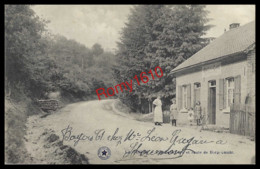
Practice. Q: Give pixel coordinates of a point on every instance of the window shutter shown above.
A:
(225, 93)
(221, 94)
(189, 95)
(179, 97)
(237, 90)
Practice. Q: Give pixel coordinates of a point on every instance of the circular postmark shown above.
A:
(104, 153)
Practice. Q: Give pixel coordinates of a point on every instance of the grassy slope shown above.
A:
(16, 114)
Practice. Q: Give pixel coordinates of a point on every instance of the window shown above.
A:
(212, 83)
(184, 97)
(196, 85)
(230, 91)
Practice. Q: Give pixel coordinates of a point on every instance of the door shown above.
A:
(197, 96)
(212, 103)
(196, 93)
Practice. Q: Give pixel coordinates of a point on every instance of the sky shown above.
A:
(90, 24)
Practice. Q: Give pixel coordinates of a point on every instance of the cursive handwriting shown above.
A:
(140, 140)
(135, 150)
(68, 136)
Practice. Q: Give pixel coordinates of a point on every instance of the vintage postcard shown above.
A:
(130, 84)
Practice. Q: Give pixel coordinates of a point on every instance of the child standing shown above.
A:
(191, 116)
(174, 112)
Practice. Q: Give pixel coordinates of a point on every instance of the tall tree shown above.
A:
(131, 54)
(23, 30)
(158, 35)
(178, 32)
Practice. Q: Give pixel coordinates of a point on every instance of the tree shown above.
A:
(97, 49)
(158, 35)
(73, 70)
(131, 54)
(178, 35)
(23, 30)
(42, 62)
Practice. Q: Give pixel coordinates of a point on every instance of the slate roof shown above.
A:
(232, 41)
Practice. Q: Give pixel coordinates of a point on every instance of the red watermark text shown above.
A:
(111, 91)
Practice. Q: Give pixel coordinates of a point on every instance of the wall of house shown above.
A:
(228, 70)
(251, 77)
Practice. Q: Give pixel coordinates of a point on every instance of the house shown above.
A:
(220, 74)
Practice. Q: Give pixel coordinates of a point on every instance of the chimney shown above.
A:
(234, 25)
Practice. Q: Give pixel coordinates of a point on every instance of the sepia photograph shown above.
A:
(129, 84)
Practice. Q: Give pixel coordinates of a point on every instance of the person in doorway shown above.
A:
(174, 112)
(197, 113)
(190, 116)
(158, 115)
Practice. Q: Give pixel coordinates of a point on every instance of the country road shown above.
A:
(97, 124)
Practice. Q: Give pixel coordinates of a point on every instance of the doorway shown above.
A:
(196, 93)
(212, 102)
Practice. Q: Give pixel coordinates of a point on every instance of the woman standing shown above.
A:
(191, 116)
(158, 115)
(198, 114)
(174, 112)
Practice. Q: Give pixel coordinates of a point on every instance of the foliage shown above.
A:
(23, 43)
(97, 49)
(37, 62)
(158, 35)
(43, 62)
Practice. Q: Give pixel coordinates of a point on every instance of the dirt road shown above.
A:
(88, 126)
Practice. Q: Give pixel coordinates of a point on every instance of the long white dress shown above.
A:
(158, 115)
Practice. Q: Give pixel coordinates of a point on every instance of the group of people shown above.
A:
(192, 114)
